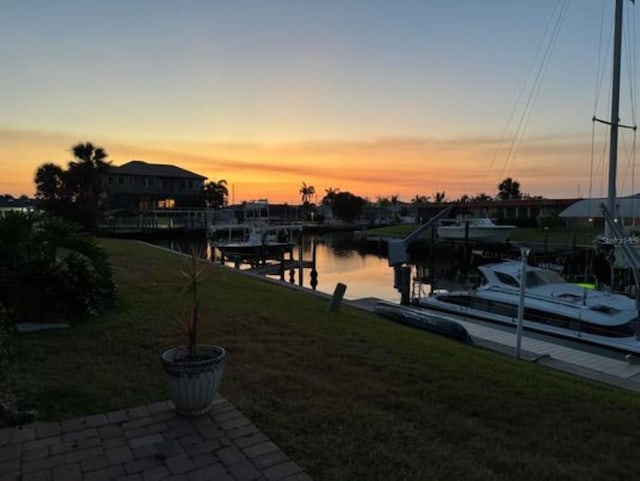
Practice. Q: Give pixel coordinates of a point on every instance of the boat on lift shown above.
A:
(480, 229)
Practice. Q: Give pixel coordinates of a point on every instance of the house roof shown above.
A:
(626, 207)
(139, 167)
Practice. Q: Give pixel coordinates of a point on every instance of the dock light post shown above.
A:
(524, 253)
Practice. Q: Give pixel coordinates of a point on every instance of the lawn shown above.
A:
(555, 235)
(347, 395)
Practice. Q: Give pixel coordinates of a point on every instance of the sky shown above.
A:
(377, 98)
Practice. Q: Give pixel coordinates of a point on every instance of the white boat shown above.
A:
(551, 305)
(257, 240)
(481, 229)
(257, 237)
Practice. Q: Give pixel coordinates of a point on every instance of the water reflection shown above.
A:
(338, 259)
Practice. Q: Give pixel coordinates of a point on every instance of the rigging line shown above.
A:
(603, 69)
(535, 88)
(629, 41)
(600, 61)
(520, 94)
(590, 196)
(598, 81)
(628, 48)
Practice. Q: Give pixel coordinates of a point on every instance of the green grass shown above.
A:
(347, 395)
(399, 230)
(556, 235)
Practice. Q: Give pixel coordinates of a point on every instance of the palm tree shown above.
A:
(482, 196)
(84, 175)
(216, 194)
(306, 193)
(330, 195)
(420, 199)
(439, 196)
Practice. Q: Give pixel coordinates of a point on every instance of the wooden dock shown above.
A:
(273, 269)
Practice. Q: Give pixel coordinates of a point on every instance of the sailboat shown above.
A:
(552, 305)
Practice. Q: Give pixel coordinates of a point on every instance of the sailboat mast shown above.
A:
(615, 115)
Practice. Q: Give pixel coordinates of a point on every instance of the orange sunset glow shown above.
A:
(377, 100)
(384, 167)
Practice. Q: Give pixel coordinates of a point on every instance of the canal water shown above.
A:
(339, 258)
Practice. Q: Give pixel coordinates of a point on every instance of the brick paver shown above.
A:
(146, 443)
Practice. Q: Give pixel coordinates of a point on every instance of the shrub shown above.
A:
(49, 270)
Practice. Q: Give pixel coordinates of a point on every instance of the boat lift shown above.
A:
(630, 253)
(398, 257)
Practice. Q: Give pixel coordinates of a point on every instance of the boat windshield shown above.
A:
(543, 277)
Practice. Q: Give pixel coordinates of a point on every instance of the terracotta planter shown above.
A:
(193, 385)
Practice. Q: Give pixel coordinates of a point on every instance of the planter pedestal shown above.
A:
(193, 385)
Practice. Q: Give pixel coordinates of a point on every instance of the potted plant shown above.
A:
(193, 371)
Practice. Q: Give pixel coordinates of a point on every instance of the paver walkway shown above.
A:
(143, 444)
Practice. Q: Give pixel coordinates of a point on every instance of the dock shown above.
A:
(271, 269)
(595, 363)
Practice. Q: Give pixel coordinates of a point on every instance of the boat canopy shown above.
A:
(589, 208)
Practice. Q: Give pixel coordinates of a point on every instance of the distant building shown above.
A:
(17, 205)
(141, 186)
(522, 212)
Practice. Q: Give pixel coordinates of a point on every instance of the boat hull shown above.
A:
(494, 235)
(508, 316)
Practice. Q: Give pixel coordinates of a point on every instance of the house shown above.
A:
(141, 186)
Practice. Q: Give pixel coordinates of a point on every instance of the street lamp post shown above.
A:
(524, 253)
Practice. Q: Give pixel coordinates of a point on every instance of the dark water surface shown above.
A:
(339, 258)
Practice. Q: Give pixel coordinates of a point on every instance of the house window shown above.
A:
(190, 185)
(120, 180)
(166, 204)
(183, 185)
(110, 180)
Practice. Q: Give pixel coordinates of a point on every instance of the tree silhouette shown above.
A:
(439, 196)
(420, 199)
(76, 193)
(347, 206)
(216, 194)
(330, 194)
(482, 196)
(49, 181)
(509, 189)
(306, 193)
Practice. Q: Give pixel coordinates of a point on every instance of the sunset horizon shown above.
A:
(377, 99)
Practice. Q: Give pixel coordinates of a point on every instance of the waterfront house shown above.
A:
(141, 196)
(141, 186)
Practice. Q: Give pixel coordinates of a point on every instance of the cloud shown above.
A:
(367, 167)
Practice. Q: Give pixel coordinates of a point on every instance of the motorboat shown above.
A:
(551, 305)
(258, 241)
(480, 229)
